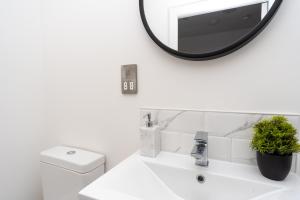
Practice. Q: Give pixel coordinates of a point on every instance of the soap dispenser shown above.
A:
(150, 138)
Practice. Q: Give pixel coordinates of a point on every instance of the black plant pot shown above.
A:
(274, 167)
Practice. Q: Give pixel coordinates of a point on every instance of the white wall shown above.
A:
(88, 40)
(22, 109)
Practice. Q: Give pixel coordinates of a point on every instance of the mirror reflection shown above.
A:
(203, 26)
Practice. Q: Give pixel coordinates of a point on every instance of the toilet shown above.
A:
(66, 170)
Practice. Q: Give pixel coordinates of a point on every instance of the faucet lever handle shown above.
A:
(201, 136)
(195, 152)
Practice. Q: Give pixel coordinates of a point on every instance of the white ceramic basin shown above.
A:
(174, 177)
(184, 183)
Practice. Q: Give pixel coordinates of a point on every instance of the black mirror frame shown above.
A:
(215, 54)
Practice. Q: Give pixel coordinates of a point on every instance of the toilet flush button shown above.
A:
(71, 153)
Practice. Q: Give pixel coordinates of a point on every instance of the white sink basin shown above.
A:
(184, 183)
(175, 177)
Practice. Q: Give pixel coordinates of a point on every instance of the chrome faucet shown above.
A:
(200, 150)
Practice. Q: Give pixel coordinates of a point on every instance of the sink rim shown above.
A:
(217, 167)
(220, 168)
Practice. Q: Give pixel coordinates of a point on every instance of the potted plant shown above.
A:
(275, 141)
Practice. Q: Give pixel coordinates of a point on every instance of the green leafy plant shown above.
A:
(275, 136)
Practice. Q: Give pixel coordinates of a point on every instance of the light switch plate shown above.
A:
(129, 79)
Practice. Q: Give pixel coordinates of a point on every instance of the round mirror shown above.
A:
(205, 29)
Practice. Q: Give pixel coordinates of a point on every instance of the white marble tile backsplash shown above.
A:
(170, 141)
(219, 148)
(178, 121)
(241, 152)
(229, 133)
(294, 164)
(177, 142)
(228, 124)
(298, 164)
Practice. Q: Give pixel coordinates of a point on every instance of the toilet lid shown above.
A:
(72, 159)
